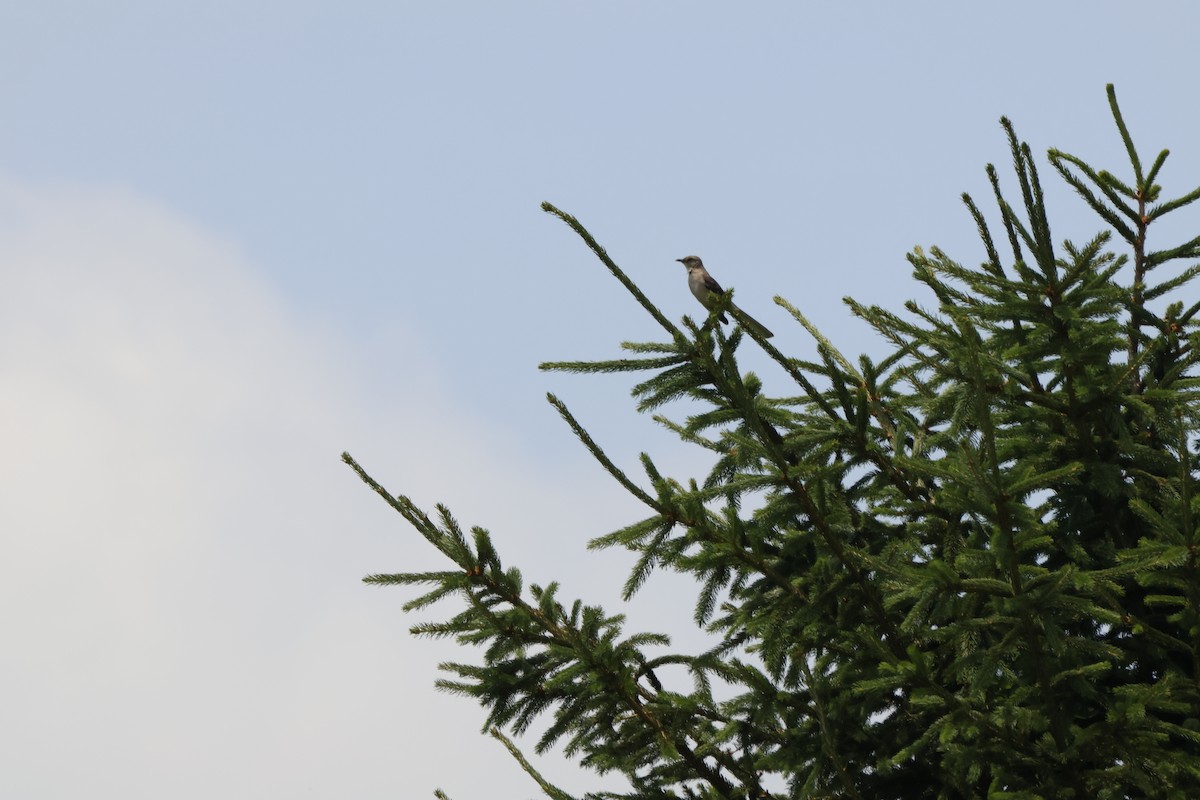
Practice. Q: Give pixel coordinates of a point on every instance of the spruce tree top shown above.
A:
(971, 568)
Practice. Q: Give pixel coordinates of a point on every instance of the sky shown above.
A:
(237, 239)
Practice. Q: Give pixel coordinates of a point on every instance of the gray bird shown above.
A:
(706, 289)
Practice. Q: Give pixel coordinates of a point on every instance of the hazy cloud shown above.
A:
(179, 586)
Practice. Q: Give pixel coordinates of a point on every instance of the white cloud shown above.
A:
(181, 548)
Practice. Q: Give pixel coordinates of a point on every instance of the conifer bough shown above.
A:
(971, 570)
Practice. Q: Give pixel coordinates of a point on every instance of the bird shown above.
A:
(706, 289)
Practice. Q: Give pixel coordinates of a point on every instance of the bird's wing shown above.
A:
(711, 284)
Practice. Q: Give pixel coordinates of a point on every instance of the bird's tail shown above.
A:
(751, 324)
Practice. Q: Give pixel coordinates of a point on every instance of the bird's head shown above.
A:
(691, 262)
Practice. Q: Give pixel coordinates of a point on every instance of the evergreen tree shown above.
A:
(970, 569)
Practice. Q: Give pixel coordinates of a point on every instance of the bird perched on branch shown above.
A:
(707, 290)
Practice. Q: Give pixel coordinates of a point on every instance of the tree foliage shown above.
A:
(968, 569)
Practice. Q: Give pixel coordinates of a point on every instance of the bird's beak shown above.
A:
(680, 260)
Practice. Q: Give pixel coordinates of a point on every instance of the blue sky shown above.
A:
(239, 238)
